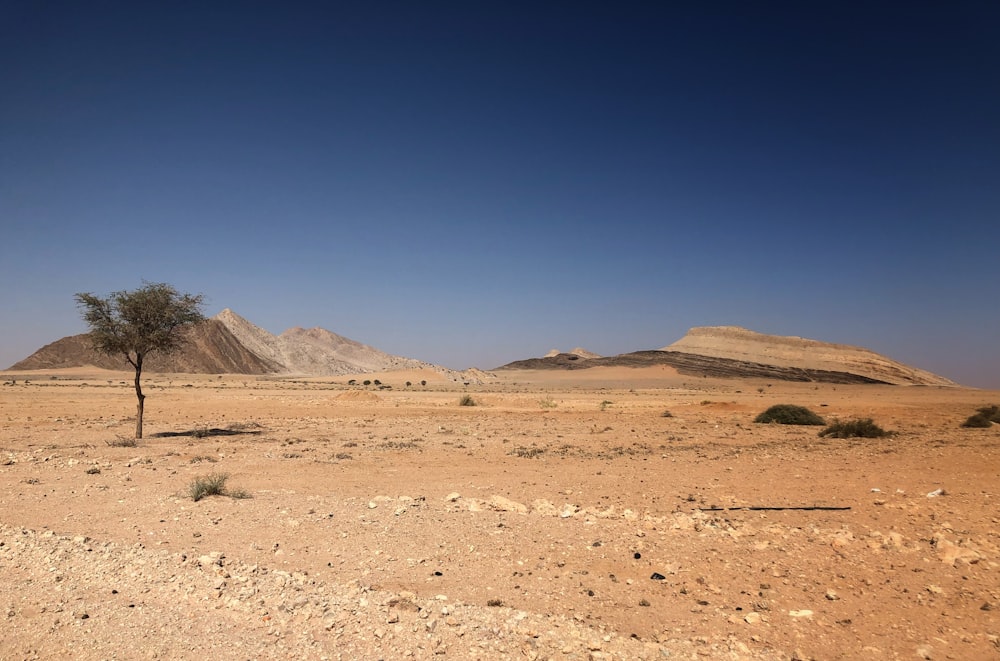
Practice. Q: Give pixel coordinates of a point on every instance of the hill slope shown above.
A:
(735, 343)
(212, 350)
(732, 352)
(229, 344)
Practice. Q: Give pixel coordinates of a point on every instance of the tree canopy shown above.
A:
(133, 324)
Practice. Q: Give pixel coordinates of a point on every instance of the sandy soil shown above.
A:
(564, 516)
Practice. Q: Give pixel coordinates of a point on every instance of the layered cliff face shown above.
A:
(731, 352)
(740, 344)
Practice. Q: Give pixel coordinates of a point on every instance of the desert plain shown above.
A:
(609, 513)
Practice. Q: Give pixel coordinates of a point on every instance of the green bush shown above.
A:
(789, 414)
(978, 421)
(863, 428)
(992, 412)
(983, 417)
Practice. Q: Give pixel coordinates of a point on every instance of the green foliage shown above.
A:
(133, 324)
(863, 428)
(983, 418)
(991, 412)
(467, 401)
(789, 414)
(213, 485)
(978, 421)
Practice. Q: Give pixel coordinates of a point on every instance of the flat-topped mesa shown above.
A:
(735, 343)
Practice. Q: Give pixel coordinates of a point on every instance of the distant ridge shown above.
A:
(229, 344)
(735, 343)
(579, 351)
(733, 352)
(212, 350)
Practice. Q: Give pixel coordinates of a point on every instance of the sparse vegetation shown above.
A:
(547, 403)
(666, 414)
(862, 428)
(134, 324)
(203, 457)
(467, 401)
(789, 414)
(213, 485)
(978, 421)
(122, 442)
(366, 382)
(605, 404)
(527, 453)
(423, 383)
(401, 445)
(983, 417)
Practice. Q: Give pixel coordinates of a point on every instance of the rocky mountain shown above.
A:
(733, 352)
(579, 351)
(316, 351)
(740, 344)
(212, 349)
(229, 344)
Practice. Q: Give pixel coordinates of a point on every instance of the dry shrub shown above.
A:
(789, 414)
(863, 428)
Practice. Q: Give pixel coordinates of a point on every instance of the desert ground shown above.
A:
(593, 514)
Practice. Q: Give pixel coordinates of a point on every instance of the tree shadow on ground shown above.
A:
(204, 432)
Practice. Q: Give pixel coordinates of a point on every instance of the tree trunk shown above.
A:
(139, 396)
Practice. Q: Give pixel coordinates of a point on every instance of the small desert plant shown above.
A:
(863, 428)
(547, 403)
(123, 442)
(983, 417)
(467, 401)
(366, 382)
(789, 414)
(666, 414)
(605, 404)
(213, 485)
(423, 383)
(527, 453)
(978, 421)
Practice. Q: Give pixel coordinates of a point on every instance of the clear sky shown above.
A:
(471, 183)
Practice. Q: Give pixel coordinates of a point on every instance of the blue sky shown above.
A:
(475, 183)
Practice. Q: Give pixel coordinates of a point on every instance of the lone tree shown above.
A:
(154, 318)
